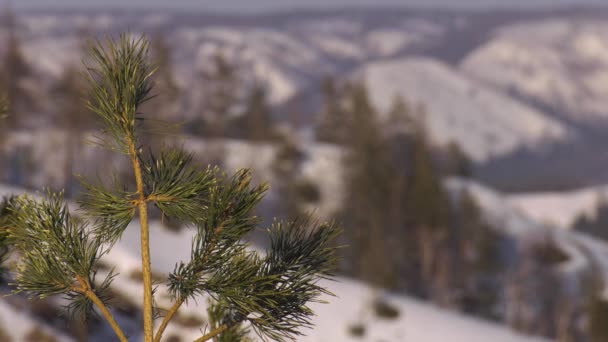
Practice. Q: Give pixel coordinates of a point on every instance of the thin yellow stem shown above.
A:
(167, 319)
(213, 333)
(145, 246)
(89, 293)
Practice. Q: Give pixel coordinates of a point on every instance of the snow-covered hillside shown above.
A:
(417, 321)
(485, 123)
(584, 253)
(287, 57)
(560, 209)
(559, 63)
(552, 65)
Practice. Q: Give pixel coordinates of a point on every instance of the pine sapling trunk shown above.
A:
(145, 246)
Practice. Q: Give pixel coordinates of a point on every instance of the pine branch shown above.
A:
(110, 211)
(120, 83)
(220, 315)
(57, 256)
(88, 293)
(213, 333)
(177, 188)
(272, 292)
(228, 220)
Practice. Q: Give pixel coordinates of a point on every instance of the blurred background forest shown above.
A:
(463, 151)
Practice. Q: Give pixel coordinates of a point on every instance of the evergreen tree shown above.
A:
(596, 225)
(478, 261)
(293, 191)
(330, 126)
(165, 103)
(220, 98)
(368, 172)
(429, 205)
(59, 252)
(256, 123)
(74, 117)
(13, 71)
(3, 128)
(598, 313)
(5, 203)
(164, 79)
(222, 95)
(457, 163)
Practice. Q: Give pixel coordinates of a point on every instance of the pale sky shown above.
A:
(249, 6)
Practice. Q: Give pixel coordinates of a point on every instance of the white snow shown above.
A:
(417, 321)
(387, 42)
(483, 122)
(560, 63)
(337, 46)
(17, 324)
(560, 209)
(585, 253)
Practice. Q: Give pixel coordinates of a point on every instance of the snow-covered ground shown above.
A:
(18, 325)
(584, 253)
(560, 208)
(417, 320)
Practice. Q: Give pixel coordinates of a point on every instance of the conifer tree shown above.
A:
(59, 252)
(457, 163)
(256, 122)
(221, 96)
(293, 190)
(330, 126)
(74, 117)
(13, 70)
(598, 313)
(368, 172)
(429, 205)
(5, 203)
(165, 104)
(222, 91)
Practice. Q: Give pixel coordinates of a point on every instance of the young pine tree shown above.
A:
(59, 252)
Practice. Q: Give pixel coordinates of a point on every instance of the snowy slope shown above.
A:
(18, 325)
(286, 56)
(334, 319)
(560, 209)
(584, 252)
(416, 322)
(483, 122)
(559, 63)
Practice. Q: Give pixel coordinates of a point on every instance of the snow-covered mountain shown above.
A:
(287, 54)
(559, 63)
(290, 55)
(485, 123)
(491, 82)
